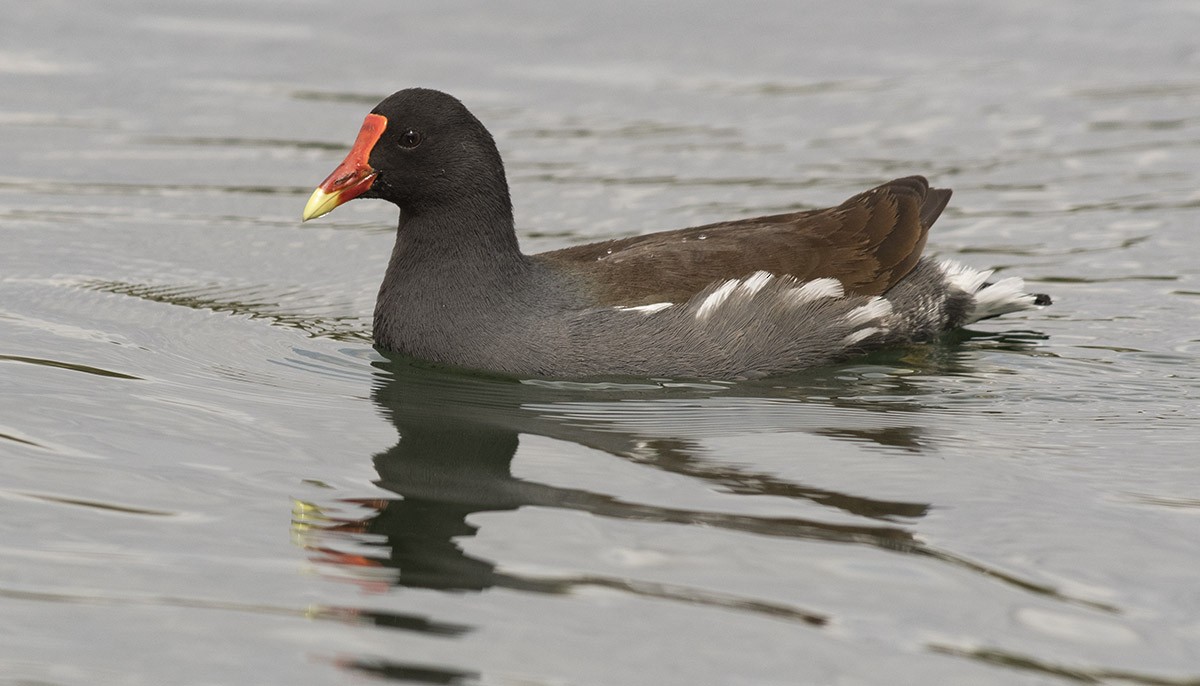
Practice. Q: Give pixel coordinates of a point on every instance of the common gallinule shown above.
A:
(744, 298)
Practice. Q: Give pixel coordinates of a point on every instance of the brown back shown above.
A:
(869, 242)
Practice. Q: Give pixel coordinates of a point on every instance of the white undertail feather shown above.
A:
(964, 278)
(990, 300)
(1002, 297)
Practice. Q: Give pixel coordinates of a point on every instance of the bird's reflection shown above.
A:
(458, 435)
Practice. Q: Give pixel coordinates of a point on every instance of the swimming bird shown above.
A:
(738, 299)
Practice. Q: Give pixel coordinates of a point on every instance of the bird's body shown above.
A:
(737, 299)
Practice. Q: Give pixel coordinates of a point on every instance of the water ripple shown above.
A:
(68, 365)
(253, 302)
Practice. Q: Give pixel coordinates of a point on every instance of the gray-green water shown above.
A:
(210, 477)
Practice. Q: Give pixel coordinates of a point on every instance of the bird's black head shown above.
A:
(422, 150)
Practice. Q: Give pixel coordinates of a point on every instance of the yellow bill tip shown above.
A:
(320, 204)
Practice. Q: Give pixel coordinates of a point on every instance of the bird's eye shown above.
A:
(410, 139)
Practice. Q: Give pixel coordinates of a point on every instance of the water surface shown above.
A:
(211, 477)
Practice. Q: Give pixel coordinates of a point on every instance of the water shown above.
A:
(211, 477)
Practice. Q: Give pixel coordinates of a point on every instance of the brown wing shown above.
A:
(869, 242)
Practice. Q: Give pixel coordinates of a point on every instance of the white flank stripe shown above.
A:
(714, 300)
(755, 282)
(645, 309)
(876, 308)
(817, 289)
(860, 335)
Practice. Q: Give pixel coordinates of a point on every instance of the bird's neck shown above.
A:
(456, 256)
(453, 276)
(474, 235)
